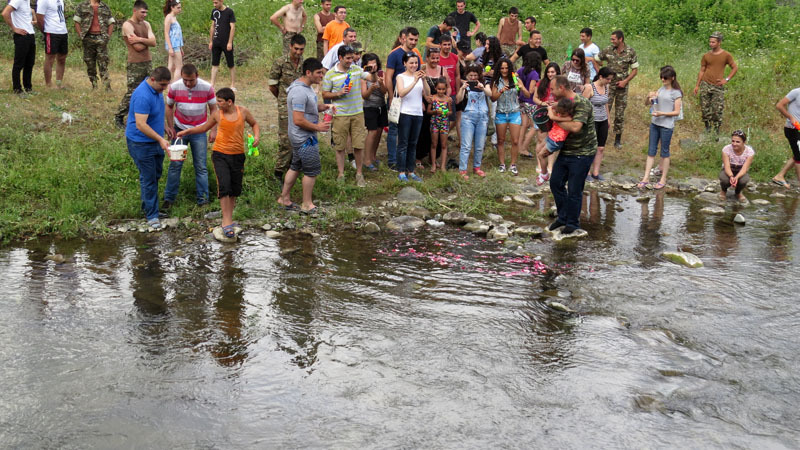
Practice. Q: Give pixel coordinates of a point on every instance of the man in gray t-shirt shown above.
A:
(303, 109)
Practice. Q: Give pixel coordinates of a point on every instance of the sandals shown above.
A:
(659, 186)
(642, 185)
(291, 207)
(309, 212)
(783, 184)
(229, 231)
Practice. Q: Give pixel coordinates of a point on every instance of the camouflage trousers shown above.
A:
(712, 102)
(284, 157)
(287, 41)
(618, 100)
(137, 72)
(509, 50)
(95, 55)
(320, 50)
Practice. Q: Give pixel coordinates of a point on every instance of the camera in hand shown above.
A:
(473, 86)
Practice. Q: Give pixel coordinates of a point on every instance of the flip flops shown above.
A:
(783, 184)
(659, 186)
(291, 207)
(309, 212)
(642, 185)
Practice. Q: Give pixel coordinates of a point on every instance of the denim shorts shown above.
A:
(514, 118)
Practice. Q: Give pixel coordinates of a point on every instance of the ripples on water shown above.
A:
(344, 342)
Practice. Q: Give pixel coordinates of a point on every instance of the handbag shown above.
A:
(394, 108)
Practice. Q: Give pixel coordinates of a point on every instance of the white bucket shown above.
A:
(177, 152)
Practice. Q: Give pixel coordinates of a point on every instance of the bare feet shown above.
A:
(723, 196)
(742, 198)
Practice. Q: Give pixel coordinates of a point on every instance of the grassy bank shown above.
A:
(59, 178)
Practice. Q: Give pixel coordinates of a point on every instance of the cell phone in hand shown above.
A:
(380, 73)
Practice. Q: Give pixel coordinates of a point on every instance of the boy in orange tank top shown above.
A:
(228, 155)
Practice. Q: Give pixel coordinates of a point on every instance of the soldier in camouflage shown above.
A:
(138, 37)
(285, 70)
(624, 63)
(711, 82)
(94, 24)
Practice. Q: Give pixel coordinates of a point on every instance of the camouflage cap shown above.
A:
(357, 47)
(717, 35)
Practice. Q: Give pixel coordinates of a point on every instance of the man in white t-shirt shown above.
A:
(590, 49)
(50, 18)
(332, 57)
(19, 18)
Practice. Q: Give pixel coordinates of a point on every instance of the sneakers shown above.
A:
(557, 224)
(568, 230)
(464, 175)
(501, 168)
(589, 179)
(360, 181)
(542, 179)
(477, 171)
(402, 177)
(415, 177)
(598, 178)
(154, 224)
(514, 170)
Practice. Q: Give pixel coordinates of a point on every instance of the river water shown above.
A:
(437, 339)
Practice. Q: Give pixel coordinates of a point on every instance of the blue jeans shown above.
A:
(149, 159)
(391, 146)
(407, 134)
(571, 171)
(199, 145)
(473, 132)
(664, 135)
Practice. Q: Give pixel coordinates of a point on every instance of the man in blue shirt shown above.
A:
(144, 134)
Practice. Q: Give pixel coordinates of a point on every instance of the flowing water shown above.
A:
(438, 339)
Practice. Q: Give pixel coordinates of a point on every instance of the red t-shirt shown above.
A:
(450, 64)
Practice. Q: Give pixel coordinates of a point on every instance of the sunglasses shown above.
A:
(739, 133)
(577, 60)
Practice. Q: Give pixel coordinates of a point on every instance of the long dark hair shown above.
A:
(544, 83)
(499, 64)
(669, 72)
(602, 73)
(532, 61)
(168, 6)
(368, 58)
(494, 53)
(584, 68)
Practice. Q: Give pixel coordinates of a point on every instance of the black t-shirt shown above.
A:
(525, 49)
(462, 23)
(222, 25)
(436, 34)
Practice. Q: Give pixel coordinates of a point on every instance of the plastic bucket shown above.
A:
(542, 119)
(177, 152)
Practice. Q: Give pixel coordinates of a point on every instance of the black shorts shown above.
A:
(376, 118)
(217, 50)
(55, 44)
(793, 136)
(601, 128)
(229, 170)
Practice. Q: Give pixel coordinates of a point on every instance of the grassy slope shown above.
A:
(56, 178)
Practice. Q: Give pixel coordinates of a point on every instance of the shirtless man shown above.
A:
(294, 20)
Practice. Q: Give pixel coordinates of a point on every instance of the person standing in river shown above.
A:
(294, 20)
(789, 107)
(94, 24)
(711, 82)
(138, 36)
(622, 60)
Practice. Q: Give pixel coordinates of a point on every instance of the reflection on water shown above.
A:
(439, 339)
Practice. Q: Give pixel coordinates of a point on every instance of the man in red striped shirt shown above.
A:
(189, 101)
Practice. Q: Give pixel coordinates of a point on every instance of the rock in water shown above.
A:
(777, 195)
(523, 200)
(371, 228)
(561, 307)
(760, 202)
(272, 234)
(419, 211)
(557, 235)
(266, 226)
(713, 210)
(498, 233)
(220, 236)
(494, 217)
(529, 230)
(58, 258)
(476, 227)
(684, 258)
(434, 223)
(709, 197)
(455, 218)
(409, 195)
(170, 222)
(738, 219)
(643, 198)
(405, 223)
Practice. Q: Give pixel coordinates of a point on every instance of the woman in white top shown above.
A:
(736, 160)
(410, 88)
(665, 107)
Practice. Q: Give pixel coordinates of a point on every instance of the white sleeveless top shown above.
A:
(412, 102)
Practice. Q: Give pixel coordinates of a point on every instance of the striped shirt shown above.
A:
(191, 110)
(352, 103)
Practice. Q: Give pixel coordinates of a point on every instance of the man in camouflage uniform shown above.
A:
(622, 60)
(284, 71)
(95, 37)
(138, 36)
(711, 81)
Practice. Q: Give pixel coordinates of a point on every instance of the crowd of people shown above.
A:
(504, 90)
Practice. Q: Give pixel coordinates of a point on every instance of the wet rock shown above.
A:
(498, 233)
(57, 258)
(738, 218)
(434, 223)
(561, 307)
(170, 222)
(476, 227)
(266, 226)
(123, 228)
(419, 211)
(711, 188)
(760, 202)
(289, 225)
(272, 234)
(529, 230)
(506, 199)
(470, 219)
(175, 253)
(607, 197)
(508, 224)
(558, 235)
(624, 321)
(220, 235)
(523, 200)
(619, 208)
(371, 228)
(213, 215)
(405, 223)
(713, 210)
(684, 258)
(553, 211)
(455, 218)
(289, 251)
(643, 198)
(709, 197)
(698, 184)
(777, 195)
(494, 217)
(439, 217)
(627, 186)
(409, 195)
